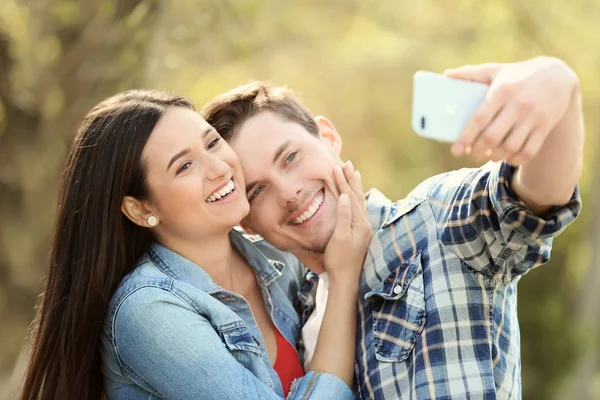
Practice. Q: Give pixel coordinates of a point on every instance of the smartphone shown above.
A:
(442, 106)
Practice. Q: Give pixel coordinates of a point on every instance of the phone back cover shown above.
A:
(446, 105)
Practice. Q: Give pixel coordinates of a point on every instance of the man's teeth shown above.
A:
(311, 210)
(221, 193)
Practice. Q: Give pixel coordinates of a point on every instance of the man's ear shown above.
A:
(329, 134)
(137, 211)
(246, 228)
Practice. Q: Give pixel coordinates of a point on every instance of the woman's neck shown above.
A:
(214, 254)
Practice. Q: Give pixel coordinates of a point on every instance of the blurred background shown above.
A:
(350, 60)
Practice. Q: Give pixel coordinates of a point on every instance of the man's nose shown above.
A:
(289, 192)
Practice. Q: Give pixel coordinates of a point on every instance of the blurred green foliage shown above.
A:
(350, 60)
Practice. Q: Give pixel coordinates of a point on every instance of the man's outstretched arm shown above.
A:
(532, 118)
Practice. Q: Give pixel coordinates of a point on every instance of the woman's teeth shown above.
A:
(311, 210)
(219, 194)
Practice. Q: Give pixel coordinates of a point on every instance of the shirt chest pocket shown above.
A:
(398, 312)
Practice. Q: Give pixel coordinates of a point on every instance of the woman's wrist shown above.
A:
(345, 284)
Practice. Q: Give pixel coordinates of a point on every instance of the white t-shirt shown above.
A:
(310, 330)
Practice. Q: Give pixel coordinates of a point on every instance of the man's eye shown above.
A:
(184, 166)
(256, 192)
(213, 143)
(291, 157)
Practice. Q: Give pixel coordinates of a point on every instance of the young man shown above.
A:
(437, 309)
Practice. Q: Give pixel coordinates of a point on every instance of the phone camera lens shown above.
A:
(423, 122)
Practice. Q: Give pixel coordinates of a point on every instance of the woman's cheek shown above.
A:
(185, 197)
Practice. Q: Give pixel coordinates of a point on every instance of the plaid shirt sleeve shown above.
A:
(483, 222)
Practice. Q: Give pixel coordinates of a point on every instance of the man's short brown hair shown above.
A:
(228, 111)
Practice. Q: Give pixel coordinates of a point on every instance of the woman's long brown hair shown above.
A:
(94, 244)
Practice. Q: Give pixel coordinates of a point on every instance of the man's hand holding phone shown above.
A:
(514, 114)
(524, 103)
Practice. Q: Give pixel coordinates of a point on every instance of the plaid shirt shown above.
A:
(437, 315)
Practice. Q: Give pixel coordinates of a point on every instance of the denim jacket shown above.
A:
(171, 332)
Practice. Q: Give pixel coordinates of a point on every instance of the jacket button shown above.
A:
(397, 289)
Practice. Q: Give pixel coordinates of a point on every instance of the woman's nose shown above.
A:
(217, 168)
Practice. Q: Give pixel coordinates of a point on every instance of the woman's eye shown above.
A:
(184, 166)
(256, 192)
(213, 143)
(291, 157)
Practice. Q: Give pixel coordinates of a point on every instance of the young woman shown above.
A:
(151, 293)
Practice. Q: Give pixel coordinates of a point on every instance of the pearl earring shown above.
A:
(152, 220)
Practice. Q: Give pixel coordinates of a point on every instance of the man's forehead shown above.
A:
(251, 147)
(263, 134)
(268, 123)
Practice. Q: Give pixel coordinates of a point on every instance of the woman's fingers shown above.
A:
(360, 221)
(355, 183)
(340, 180)
(343, 223)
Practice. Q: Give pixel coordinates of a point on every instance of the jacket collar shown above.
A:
(180, 268)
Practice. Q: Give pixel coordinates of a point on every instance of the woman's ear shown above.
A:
(246, 228)
(329, 134)
(138, 212)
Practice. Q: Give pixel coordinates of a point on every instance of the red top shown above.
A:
(287, 364)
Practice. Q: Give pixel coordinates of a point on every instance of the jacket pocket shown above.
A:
(246, 350)
(398, 311)
(240, 339)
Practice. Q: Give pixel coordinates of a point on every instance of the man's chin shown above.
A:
(319, 242)
(314, 247)
(309, 242)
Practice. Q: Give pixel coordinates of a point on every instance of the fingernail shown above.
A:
(344, 199)
(488, 152)
(358, 174)
(350, 164)
(468, 150)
